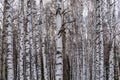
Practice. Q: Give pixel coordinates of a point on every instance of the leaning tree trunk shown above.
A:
(111, 62)
(112, 34)
(9, 39)
(59, 57)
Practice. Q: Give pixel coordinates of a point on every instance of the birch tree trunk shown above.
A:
(22, 36)
(84, 53)
(27, 41)
(38, 47)
(111, 63)
(1, 29)
(38, 52)
(3, 72)
(32, 40)
(44, 41)
(99, 42)
(112, 34)
(16, 47)
(43, 53)
(59, 57)
(9, 38)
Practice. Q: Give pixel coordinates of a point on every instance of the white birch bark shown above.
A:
(59, 59)
(37, 49)
(1, 26)
(84, 47)
(111, 63)
(99, 42)
(43, 52)
(27, 41)
(32, 40)
(78, 66)
(43, 41)
(21, 41)
(38, 55)
(44, 63)
(97, 49)
(83, 59)
(101, 56)
(3, 72)
(112, 52)
(9, 38)
(93, 65)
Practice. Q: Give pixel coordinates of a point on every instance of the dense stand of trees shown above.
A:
(59, 40)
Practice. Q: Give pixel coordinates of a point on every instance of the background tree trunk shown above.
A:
(9, 42)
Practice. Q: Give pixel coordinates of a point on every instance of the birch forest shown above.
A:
(59, 39)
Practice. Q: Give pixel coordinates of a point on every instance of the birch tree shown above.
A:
(9, 40)
(32, 40)
(44, 33)
(60, 40)
(22, 40)
(99, 50)
(27, 41)
(1, 22)
(4, 43)
(112, 49)
(59, 60)
(38, 44)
